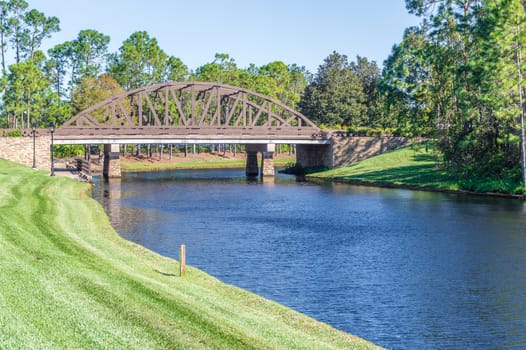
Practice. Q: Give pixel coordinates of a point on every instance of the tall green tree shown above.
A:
(58, 65)
(369, 75)
(288, 82)
(89, 53)
(5, 31)
(26, 94)
(223, 69)
(461, 72)
(503, 84)
(16, 23)
(71, 61)
(406, 86)
(91, 90)
(37, 28)
(139, 62)
(335, 96)
(176, 70)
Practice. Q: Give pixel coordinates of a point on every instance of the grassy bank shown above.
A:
(69, 281)
(201, 162)
(415, 167)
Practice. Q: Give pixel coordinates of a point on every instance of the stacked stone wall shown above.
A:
(20, 150)
(346, 150)
(308, 156)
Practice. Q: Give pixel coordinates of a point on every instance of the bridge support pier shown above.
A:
(112, 162)
(251, 169)
(267, 160)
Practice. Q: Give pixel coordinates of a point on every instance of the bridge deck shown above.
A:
(189, 135)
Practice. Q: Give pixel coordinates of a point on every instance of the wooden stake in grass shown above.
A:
(182, 260)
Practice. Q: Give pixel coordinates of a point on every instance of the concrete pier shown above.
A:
(267, 160)
(112, 163)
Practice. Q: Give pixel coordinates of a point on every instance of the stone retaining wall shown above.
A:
(346, 150)
(20, 150)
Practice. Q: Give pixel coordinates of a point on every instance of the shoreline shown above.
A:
(417, 168)
(416, 188)
(228, 165)
(236, 163)
(89, 265)
(199, 161)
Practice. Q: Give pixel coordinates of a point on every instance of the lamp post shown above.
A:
(52, 130)
(34, 130)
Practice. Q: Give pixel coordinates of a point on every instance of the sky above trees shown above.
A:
(257, 31)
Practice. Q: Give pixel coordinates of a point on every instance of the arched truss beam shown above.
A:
(190, 105)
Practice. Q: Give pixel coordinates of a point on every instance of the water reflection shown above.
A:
(404, 269)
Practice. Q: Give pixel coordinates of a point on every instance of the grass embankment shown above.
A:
(204, 161)
(415, 167)
(67, 280)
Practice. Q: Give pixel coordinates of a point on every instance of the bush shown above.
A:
(391, 132)
(14, 133)
(64, 151)
(372, 132)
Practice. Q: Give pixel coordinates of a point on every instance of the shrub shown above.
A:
(14, 133)
(64, 151)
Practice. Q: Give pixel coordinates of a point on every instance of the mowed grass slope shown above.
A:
(416, 167)
(68, 281)
(410, 166)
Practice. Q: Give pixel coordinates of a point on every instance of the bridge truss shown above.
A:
(190, 112)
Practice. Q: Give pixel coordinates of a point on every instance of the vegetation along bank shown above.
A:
(418, 167)
(69, 281)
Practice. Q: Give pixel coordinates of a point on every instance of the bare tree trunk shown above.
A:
(523, 136)
(521, 103)
(3, 53)
(28, 123)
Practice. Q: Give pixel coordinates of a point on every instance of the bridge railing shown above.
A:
(83, 166)
(309, 133)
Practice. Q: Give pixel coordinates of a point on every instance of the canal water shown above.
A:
(403, 269)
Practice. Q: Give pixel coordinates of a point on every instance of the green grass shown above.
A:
(68, 281)
(213, 163)
(415, 167)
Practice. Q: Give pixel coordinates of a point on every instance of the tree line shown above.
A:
(53, 86)
(456, 78)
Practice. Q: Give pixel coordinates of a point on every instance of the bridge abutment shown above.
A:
(112, 162)
(309, 156)
(344, 150)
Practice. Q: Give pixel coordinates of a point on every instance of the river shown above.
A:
(403, 269)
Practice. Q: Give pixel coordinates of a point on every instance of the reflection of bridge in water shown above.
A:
(193, 113)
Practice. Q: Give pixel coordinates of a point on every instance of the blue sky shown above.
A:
(250, 31)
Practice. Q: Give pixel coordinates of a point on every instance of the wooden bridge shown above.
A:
(190, 112)
(198, 113)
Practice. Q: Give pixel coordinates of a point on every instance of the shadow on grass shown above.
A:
(412, 175)
(423, 158)
(166, 274)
